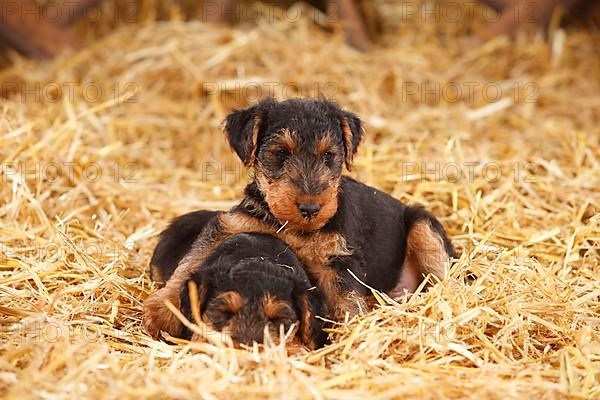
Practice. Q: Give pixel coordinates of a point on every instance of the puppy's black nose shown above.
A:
(309, 209)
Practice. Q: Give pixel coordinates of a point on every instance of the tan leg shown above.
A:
(409, 279)
(425, 255)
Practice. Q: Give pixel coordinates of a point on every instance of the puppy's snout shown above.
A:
(309, 209)
(249, 336)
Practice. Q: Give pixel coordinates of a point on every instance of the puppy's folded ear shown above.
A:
(311, 304)
(193, 297)
(242, 130)
(353, 130)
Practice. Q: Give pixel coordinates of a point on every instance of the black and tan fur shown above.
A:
(334, 224)
(251, 283)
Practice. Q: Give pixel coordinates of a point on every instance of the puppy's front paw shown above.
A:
(150, 317)
(157, 317)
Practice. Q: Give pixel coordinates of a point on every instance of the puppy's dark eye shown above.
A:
(328, 157)
(282, 155)
(227, 315)
(218, 318)
(224, 307)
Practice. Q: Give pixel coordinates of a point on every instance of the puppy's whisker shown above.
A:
(282, 226)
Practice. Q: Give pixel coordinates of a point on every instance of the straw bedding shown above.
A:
(515, 181)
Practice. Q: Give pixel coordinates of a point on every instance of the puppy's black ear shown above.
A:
(242, 129)
(353, 130)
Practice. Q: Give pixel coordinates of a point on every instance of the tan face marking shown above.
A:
(230, 302)
(275, 308)
(324, 145)
(288, 140)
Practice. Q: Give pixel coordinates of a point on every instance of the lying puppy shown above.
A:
(334, 224)
(248, 283)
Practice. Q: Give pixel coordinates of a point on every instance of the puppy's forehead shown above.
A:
(307, 119)
(256, 279)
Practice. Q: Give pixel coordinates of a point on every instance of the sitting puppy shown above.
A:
(339, 228)
(248, 283)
